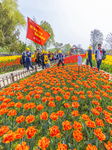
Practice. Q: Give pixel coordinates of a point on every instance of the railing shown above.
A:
(14, 77)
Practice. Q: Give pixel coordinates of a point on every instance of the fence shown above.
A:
(11, 78)
(15, 77)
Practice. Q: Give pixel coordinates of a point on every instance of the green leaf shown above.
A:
(71, 146)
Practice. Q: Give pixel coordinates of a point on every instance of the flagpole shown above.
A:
(26, 34)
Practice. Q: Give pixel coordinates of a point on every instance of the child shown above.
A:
(79, 61)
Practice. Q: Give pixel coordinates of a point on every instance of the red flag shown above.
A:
(35, 33)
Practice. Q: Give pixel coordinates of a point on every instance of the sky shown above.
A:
(72, 20)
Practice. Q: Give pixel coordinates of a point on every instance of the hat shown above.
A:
(90, 47)
(59, 51)
(27, 49)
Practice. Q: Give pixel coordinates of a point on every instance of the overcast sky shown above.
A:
(71, 20)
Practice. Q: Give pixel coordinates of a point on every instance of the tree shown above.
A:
(47, 27)
(106, 46)
(12, 7)
(96, 37)
(10, 20)
(8, 33)
(79, 45)
(66, 48)
(109, 39)
(58, 45)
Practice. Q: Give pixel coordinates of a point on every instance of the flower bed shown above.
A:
(73, 59)
(58, 109)
(11, 63)
(106, 64)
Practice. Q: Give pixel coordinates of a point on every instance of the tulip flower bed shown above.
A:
(106, 64)
(57, 109)
(11, 63)
(73, 59)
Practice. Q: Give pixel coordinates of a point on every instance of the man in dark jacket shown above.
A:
(38, 58)
(23, 59)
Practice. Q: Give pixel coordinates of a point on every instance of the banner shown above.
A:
(35, 33)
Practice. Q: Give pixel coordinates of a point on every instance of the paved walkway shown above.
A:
(11, 77)
(16, 72)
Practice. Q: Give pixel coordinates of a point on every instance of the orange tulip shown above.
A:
(30, 118)
(19, 133)
(9, 137)
(90, 147)
(22, 147)
(99, 134)
(54, 116)
(20, 119)
(77, 135)
(66, 125)
(54, 131)
(43, 143)
(30, 132)
(108, 146)
(62, 146)
(44, 116)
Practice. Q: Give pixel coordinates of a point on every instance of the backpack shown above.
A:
(104, 55)
(45, 59)
(21, 61)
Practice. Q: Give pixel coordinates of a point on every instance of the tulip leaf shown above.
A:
(71, 146)
(87, 142)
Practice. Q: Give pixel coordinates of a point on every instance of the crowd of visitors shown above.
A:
(42, 59)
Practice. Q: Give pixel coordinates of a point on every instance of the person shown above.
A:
(46, 60)
(35, 57)
(89, 56)
(23, 59)
(42, 59)
(99, 55)
(28, 59)
(39, 58)
(60, 58)
(49, 55)
(79, 61)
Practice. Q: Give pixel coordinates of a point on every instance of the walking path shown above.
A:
(16, 72)
(11, 77)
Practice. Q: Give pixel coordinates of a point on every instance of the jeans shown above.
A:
(60, 61)
(89, 61)
(47, 66)
(28, 63)
(99, 63)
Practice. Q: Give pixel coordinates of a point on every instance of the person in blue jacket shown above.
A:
(60, 58)
(28, 59)
(99, 54)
